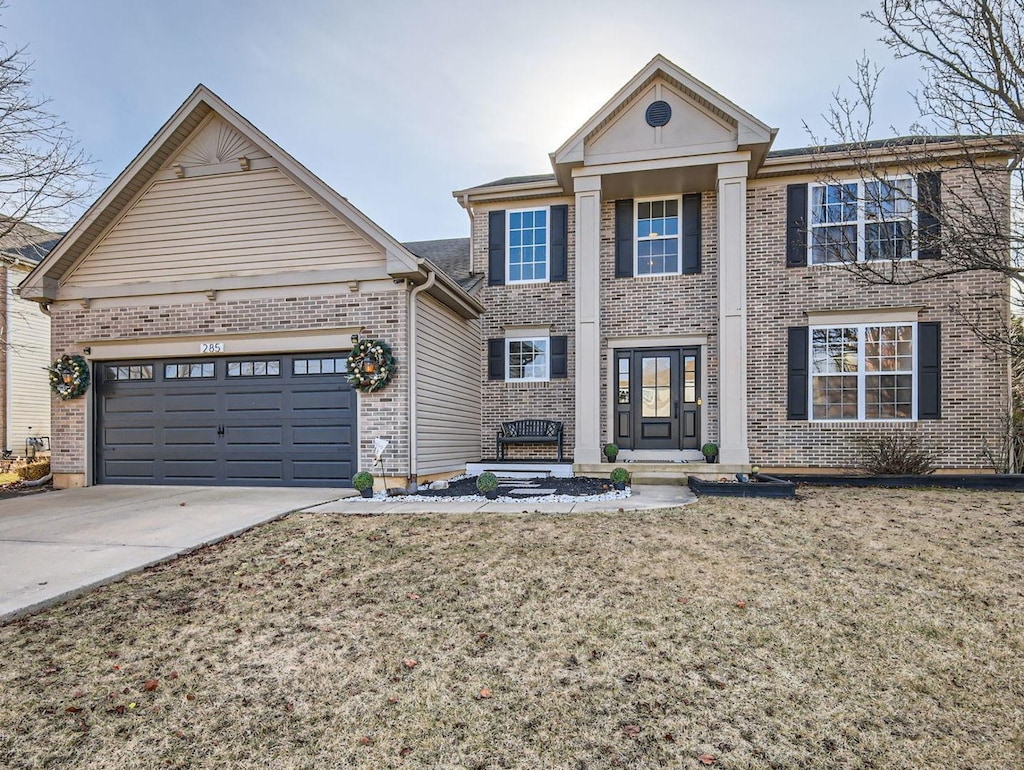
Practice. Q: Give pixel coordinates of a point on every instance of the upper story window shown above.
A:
(863, 372)
(657, 237)
(527, 245)
(861, 221)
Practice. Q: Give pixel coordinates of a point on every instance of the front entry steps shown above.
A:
(511, 469)
(660, 473)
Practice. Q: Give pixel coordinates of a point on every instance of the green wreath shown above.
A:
(69, 376)
(371, 365)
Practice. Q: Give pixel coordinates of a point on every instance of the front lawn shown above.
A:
(848, 628)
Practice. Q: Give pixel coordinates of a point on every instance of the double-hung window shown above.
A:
(863, 372)
(862, 221)
(527, 359)
(527, 246)
(657, 237)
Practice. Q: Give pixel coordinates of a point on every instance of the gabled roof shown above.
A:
(451, 255)
(41, 283)
(750, 130)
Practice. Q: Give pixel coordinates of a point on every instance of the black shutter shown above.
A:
(929, 371)
(691, 233)
(496, 358)
(496, 249)
(559, 243)
(796, 226)
(796, 408)
(624, 238)
(929, 207)
(559, 358)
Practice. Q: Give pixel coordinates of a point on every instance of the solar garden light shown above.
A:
(379, 445)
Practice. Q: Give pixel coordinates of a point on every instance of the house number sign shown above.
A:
(211, 347)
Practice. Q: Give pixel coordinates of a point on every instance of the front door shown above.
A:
(657, 398)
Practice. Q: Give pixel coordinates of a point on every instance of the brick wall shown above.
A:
(382, 315)
(531, 304)
(662, 306)
(974, 380)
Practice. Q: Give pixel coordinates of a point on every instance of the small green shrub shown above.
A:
(486, 482)
(362, 480)
(896, 454)
(619, 476)
(709, 449)
(34, 471)
(610, 450)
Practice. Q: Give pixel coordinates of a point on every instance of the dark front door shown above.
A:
(657, 398)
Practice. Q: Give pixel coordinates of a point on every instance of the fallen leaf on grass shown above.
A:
(150, 684)
(706, 759)
(366, 740)
(173, 675)
(409, 663)
(414, 597)
(72, 710)
(683, 600)
(486, 693)
(631, 731)
(741, 604)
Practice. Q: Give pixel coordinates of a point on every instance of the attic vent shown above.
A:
(658, 114)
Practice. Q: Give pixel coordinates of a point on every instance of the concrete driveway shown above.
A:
(57, 544)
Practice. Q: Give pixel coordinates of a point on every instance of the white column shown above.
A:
(732, 313)
(588, 320)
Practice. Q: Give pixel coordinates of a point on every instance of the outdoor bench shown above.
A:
(529, 432)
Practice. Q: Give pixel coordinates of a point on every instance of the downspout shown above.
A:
(431, 278)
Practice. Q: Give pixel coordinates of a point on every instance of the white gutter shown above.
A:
(431, 278)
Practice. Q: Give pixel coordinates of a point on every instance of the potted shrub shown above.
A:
(619, 477)
(611, 451)
(710, 452)
(487, 485)
(363, 481)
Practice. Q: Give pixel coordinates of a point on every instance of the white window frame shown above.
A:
(861, 220)
(547, 245)
(862, 374)
(637, 240)
(528, 337)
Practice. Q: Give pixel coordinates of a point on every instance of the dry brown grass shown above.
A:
(880, 629)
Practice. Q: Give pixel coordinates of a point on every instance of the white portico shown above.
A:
(660, 143)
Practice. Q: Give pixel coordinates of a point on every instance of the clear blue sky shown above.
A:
(396, 103)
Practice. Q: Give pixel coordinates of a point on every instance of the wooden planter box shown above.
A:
(759, 485)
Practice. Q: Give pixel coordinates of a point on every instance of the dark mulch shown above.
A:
(578, 486)
(16, 490)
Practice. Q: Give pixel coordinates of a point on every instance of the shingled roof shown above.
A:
(27, 243)
(449, 254)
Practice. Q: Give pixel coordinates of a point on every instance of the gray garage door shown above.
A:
(286, 420)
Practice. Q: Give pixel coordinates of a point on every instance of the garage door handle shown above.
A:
(220, 430)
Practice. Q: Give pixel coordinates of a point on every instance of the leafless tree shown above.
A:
(44, 175)
(970, 102)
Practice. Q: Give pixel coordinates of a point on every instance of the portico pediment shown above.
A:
(663, 113)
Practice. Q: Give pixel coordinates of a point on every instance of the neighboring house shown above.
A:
(660, 289)
(24, 340)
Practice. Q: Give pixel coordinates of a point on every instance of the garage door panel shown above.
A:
(201, 402)
(277, 430)
(190, 436)
(241, 436)
(144, 436)
(316, 435)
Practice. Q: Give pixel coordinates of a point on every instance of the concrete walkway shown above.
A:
(58, 544)
(643, 498)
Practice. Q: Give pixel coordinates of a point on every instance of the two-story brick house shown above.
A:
(674, 281)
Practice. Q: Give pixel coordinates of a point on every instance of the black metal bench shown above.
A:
(529, 432)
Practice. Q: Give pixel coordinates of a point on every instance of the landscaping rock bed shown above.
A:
(577, 486)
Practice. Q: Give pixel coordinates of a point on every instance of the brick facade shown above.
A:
(974, 381)
(382, 316)
(530, 304)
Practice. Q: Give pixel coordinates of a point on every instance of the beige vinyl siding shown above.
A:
(28, 354)
(447, 389)
(233, 224)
